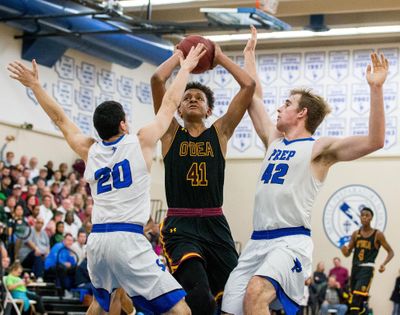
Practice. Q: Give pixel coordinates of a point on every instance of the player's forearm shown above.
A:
(251, 68)
(241, 76)
(159, 79)
(49, 105)
(376, 134)
(173, 95)
(389, 257)
(164, 71)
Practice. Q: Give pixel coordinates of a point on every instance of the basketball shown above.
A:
(206, 62)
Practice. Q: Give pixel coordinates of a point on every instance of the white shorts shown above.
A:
(125, 259)
(284, 261)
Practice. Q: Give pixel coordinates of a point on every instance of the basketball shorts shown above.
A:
(119, 256)
(361, 278)
(206, 238)
(281, 256)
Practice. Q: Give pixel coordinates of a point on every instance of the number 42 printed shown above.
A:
(275, 173)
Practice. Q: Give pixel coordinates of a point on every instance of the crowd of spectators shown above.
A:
(56, 206)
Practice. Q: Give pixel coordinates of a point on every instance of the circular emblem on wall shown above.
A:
(342, 212)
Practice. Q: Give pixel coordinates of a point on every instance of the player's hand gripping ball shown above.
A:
(206, 62)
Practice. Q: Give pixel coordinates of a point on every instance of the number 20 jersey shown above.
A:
(286, 188)
(119, 181)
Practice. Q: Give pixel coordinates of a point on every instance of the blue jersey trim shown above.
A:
(113, 142)
(271, 234)
(103, 297)
(286, 141)
(160, 304)
(290, 307)
(117, 227)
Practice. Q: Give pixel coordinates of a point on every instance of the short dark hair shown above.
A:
(68, 235)
(205, 89)
(364, 208)
(107, 117)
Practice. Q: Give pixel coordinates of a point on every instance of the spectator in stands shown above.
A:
(31, 202)
(58, 235)
(15, 173)
(3, 214)
(86, 215)
(62, 262)
(5, 259)
(18, 290)
(6, 171)
(331, 297)
(55, 190)
(63, 168)
(9, 159)
(50, 172)
(17, 192)
(32, 218)
(11, 203)
(26, 173)
(79, 246)
(66, 205)
(395, 297)
(56, 178)
(79, 167)
(31, 191)
(41, 189)
(70, 226)
(5, 185)
(33, 162)
(46, 211)
(35, 249)
(22, 181)
(72, 179)
(24, 161)
(341, 273)
(65, 192)
(51, 227)
(42, 175)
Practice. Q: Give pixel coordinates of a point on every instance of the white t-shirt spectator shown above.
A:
(80, 250)
(46, 214)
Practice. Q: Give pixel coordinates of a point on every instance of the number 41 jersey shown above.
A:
(286, 188)
(119, 181)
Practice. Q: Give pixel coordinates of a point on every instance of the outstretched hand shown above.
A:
(252, 42)
(193, 57)
(377, 72)
(24, 75)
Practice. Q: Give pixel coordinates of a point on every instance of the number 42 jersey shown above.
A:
(119, 181)
(286, 188)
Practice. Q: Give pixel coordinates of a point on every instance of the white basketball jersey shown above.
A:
(286, 188)
(119, 181)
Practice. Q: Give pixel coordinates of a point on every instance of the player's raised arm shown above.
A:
(160, 77)
(30, 78)
(241, 101)
(151, 133)
(263, 124)
(351, 148)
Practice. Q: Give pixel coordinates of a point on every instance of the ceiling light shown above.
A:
(349, 31)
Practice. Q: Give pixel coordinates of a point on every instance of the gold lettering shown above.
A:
(209, 150)
(196, 149)
(200, 149)
(183, 149)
